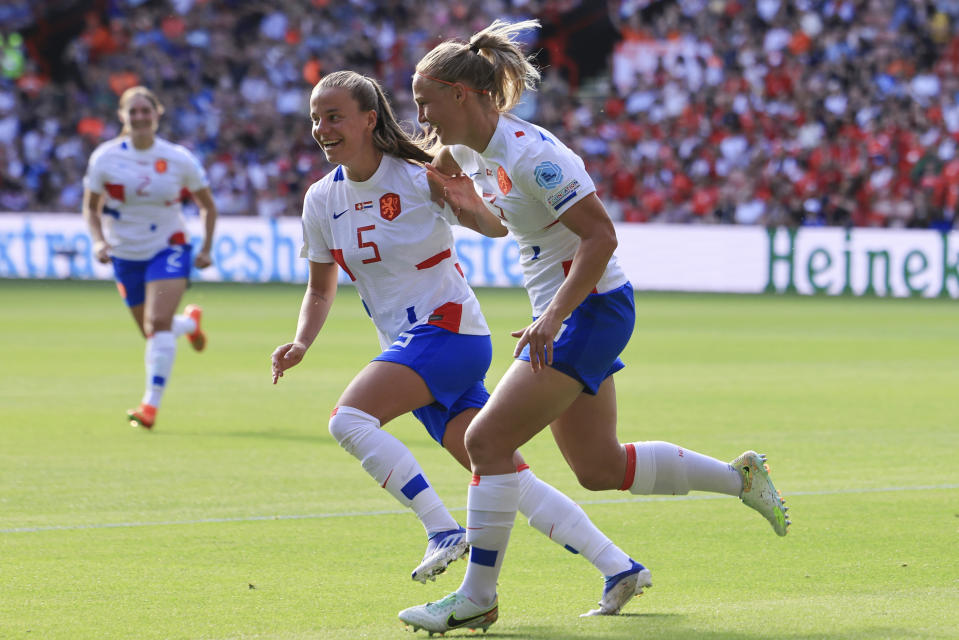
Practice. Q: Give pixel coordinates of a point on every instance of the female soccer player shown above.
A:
(583, 315)
(373, 218)
(132, 204)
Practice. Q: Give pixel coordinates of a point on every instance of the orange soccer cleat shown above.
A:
(197, 338)
(143, 416)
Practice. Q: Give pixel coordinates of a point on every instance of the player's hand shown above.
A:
(202, 260)
(539, 336)
(437, 182)
(457, 191)
(101, 251)
(286, 356)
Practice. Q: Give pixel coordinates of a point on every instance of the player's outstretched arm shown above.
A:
(320, 291)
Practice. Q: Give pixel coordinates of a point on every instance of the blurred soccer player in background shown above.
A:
(374, 217)
(132, 203)
(583, 315)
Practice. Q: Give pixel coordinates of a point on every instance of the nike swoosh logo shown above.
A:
(452, 622)
(337, 215)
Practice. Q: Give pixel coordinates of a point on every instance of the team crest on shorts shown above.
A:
(160, 165)
(390, 206)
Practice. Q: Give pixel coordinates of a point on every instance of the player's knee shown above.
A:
(482, 448)
(153, 325)
(349, 425)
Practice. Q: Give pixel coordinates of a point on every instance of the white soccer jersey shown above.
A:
(396, 245)
(143, 213)
(530, 179)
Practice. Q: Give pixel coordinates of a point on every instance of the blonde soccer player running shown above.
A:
(132, 203)
(499, 173)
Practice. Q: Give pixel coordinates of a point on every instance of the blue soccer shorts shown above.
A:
(593, 336)
(132, 275)
(453, 366)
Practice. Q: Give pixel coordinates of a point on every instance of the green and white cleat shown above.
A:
(455, 611)
(759, 491)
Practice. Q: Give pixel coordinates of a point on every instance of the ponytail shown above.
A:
(491, 63)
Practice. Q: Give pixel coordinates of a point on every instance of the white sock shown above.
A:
(392, 465)
(183, 324)
(564, 522)
(158, 357)
(490, 512)
(664, 468)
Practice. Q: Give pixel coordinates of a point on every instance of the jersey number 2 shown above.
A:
(142, 187)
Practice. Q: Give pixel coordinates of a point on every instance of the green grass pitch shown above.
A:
(239, 517)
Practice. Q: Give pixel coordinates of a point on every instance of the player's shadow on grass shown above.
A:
(671, 626)
(321, 437)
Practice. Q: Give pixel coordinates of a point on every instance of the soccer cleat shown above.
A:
(197, 338)
(442, 548)
(455, 611)
(143, 416)
(619, 589)
(759, 492)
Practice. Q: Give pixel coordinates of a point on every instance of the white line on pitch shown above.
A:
(351, 514)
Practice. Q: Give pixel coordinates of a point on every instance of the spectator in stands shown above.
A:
(721, 83)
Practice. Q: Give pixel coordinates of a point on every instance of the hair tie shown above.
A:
(474, 48)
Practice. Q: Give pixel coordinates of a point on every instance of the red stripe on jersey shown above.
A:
(335, 409)
(338, 256)
(434, 260)
(629, 477)
(551, 224)
(447, 316)
(177, 238)
(567, 265)
(475, 481)
(115, 191)
(522, 467)
(459, 268)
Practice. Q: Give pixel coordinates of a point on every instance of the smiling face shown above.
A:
(437, 107)
(343, 131)
(140, 119)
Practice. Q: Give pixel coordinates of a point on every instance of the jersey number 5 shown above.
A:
(376, 250)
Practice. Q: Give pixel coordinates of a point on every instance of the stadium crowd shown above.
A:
(775, 112)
